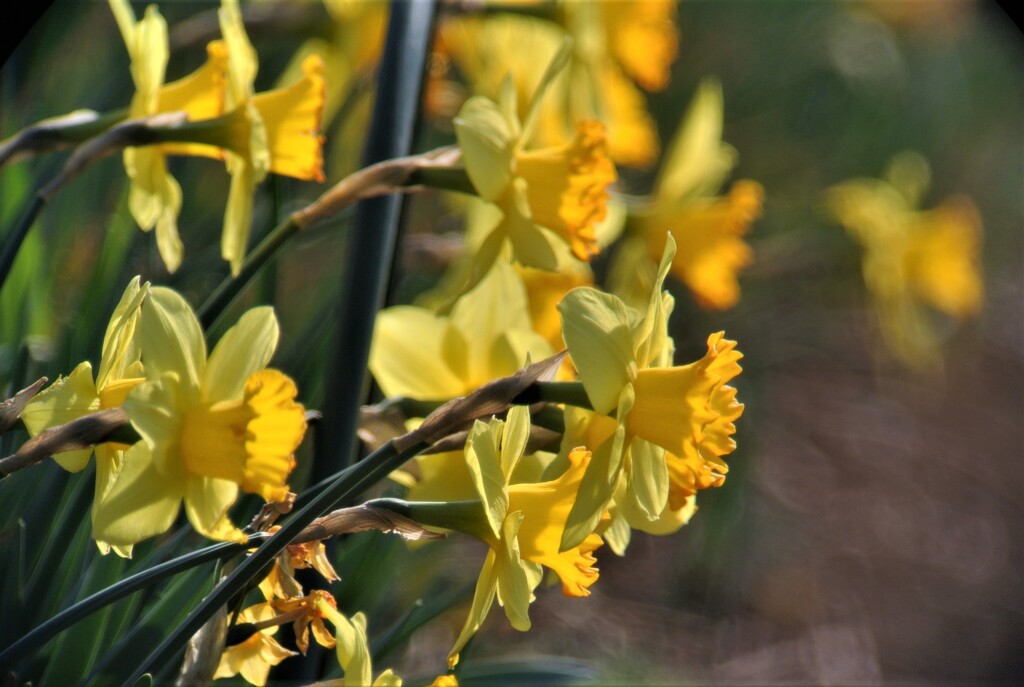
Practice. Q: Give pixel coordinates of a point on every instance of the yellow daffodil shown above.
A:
(209, 425)
(624, 360)
(708, 229)
(254, 656)
(914, 260)
(155, 196)
(353, 650)
(522, 524)
(277, 131)
(76, 395)
(419, 354)
(525, 523)
(552, 193)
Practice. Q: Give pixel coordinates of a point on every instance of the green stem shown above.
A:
(71, 615)
(363, 474)
(220, 299)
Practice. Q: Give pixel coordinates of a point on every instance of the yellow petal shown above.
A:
(597, 330)
(567, 186)
(201, 96)
(173, 340)
(408, 354)
(485, 141)
(142, 503)
(244, 349)
(483, 599)
(292, 117)
(515, 592)
(483, 458)
(697, 161)
(120, 348)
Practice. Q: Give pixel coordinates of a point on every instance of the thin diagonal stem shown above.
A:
(71, 615)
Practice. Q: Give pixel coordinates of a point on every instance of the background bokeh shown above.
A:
(871, 526)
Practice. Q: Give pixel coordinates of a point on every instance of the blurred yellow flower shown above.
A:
(708, 229)
(560, 191)
(614, 42)
(76, 395)
(254, 656)
(912, 258)
(155, 197)
(209, 425)
(419, 354)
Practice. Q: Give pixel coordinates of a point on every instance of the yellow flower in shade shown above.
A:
(914, 260)
(419, 354)
(557, 192)
(76, 395)
(624, 361)
(353, 650)
(708, 229)
(277, 131)
(209, 425)
(254, 656)
(306, 614)
(155, 196)
(280, 582)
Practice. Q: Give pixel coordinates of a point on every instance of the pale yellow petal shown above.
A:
(244, 349)
(142, 503)
(408, 353)
(172, 340)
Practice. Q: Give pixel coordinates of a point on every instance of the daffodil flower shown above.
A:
(277, 131)
(353, 650)
(913, 259)
(210, 425)
(624, 361)
(419, 354)
(76, 395)
(548, 194)
(155, 196)
(254, 656)
(709, 229)
(522, 524)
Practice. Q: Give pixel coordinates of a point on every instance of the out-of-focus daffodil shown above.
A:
(614, 42)
(708, 229)
(209, 425)
(419, 354)
(155, 196)
(77, 395)
(624, 360)
(254, 656)
(561, 191)
(912, 258)
(353, 650)
(277, 131)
